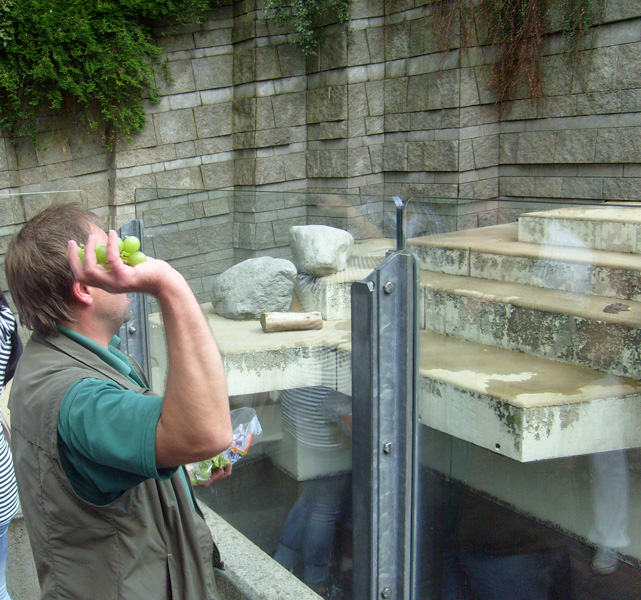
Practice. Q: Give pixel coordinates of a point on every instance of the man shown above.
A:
(108, 509)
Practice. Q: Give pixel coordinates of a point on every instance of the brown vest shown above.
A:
(149, 544)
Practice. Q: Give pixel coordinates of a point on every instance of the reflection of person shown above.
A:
(310, 529)
(10, 351)
(108, 509)
(309, 532)
(610, 492)
(494, 553)
(609, 470)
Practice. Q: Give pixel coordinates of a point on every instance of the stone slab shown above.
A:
(256, 361)
(524, 407)
(600, 228)
(495, 253)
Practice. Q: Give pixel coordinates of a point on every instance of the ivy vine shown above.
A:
(518, 29)
(101, 56)
(307, 18)
(96, 55)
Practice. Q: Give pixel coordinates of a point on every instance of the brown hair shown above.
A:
(37, 267)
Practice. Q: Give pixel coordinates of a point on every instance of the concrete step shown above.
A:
(257, 362)
(524, 407)
(616, 228)
(589, 331)
(521, 406)
(331, 295)
(495, 253)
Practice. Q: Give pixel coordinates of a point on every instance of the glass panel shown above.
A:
(528, 399)
(291, 493)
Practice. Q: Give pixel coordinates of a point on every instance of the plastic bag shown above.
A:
(338, 410)
(246, 431)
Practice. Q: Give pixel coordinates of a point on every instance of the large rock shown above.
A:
(320, 250)
(254, 286)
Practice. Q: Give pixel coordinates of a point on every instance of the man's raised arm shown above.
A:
(194, 423)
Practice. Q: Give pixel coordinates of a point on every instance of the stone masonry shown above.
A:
(386, 108)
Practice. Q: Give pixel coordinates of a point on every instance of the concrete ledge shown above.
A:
(256, 361)
(249, 573)
(525, 407)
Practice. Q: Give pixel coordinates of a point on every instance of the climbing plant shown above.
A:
(96, 55)
(306, 18)
(100, 56)
(517, 29)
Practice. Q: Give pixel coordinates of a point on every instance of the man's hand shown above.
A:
(119, 277)
(217, 474)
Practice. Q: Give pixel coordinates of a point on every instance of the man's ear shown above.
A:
(81, 293)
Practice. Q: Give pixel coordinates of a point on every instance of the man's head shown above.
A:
(37, 267)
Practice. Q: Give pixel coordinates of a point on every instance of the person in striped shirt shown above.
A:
(10, 351)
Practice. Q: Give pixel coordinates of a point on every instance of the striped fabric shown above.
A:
(8, 488)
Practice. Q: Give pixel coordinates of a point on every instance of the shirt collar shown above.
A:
(113, 357)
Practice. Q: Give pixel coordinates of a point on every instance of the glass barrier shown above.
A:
(528, 399)
(257, 267)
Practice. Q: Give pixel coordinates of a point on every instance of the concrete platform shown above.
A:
(496, 253)
(521, 406)
(590, 331)
(256, 361)
(524, 407)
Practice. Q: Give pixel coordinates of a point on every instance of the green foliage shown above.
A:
(99, 56)
(96, 55)
(306, 17)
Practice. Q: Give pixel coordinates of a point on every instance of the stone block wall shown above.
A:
(202, 233)
(387, 108)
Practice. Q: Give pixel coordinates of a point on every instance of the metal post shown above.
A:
(383, 428)
(400, 223)
(134, 340)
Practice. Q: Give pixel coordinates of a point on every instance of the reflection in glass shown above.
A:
(318, 419)
(529, 382)
(291, 494)
(529, 400)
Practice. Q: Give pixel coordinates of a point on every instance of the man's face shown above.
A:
(112, 309)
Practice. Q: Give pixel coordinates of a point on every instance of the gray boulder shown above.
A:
(254, 286)
(320, 250)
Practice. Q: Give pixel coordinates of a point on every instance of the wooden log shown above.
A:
(290, 321)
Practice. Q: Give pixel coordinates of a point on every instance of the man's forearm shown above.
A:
(194, 424)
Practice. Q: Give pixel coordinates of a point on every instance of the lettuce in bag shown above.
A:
(247, 430)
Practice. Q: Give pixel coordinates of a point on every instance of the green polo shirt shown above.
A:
(106, 434)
